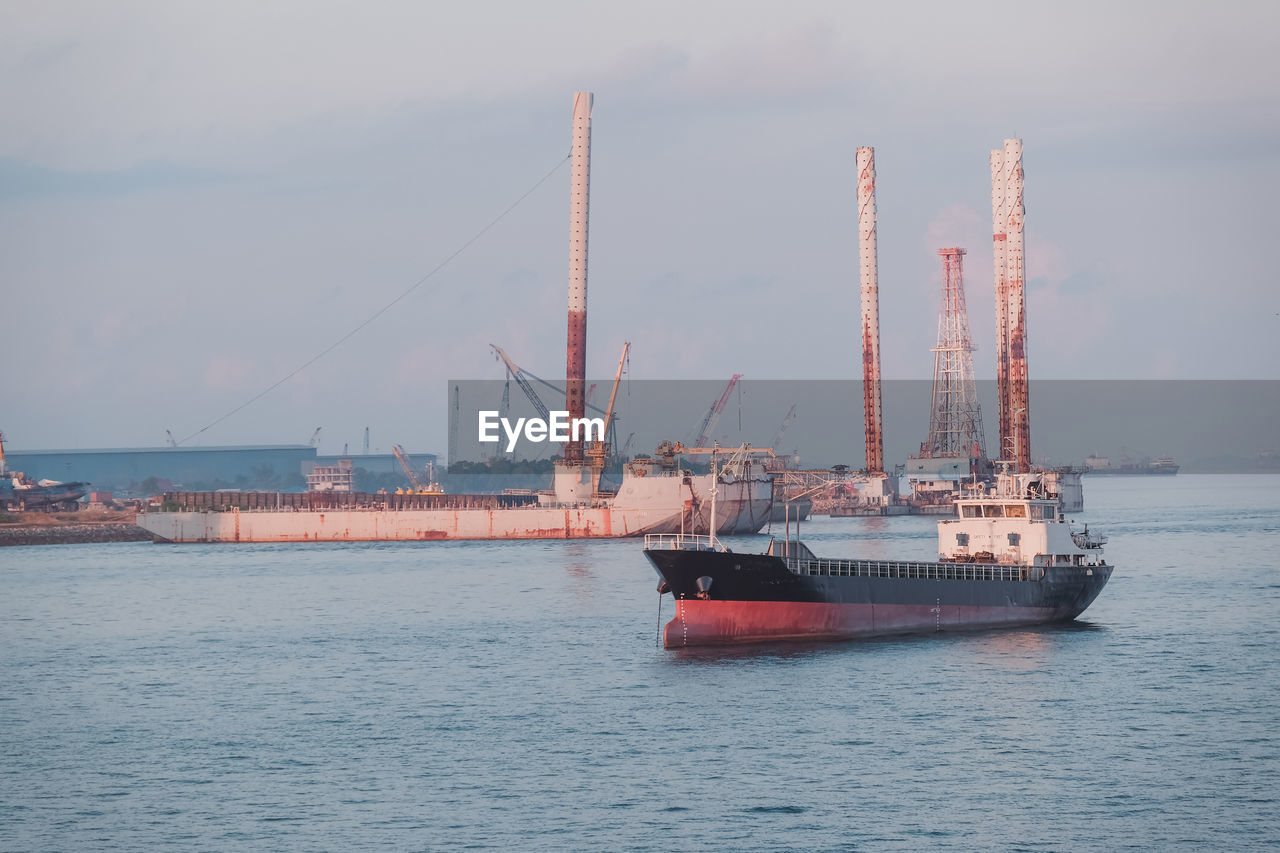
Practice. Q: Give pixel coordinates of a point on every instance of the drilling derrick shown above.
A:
(955, 423)
(870, 308)
(1012, 382)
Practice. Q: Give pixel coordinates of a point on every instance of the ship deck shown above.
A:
(805, 564)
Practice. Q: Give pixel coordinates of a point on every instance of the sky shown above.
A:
(198, 201)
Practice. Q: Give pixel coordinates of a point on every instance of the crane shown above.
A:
(599, 448)
(713, 414)
(786, 422)
(522, 377)
(431, 488)
(315, 437)
(516, 372)
(172, 442)
(405, 466)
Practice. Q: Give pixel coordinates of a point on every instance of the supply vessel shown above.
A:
(1008, 558)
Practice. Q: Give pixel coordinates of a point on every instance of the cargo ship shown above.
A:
(652, 498)
(1162, 467)
(1008, 558)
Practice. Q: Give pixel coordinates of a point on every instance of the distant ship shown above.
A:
(20, 492)
(1008, 558)
(1145, 467)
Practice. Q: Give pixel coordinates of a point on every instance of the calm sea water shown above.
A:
(452, 696)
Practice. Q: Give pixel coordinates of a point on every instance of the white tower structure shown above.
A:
(870, 309)
(575, 481)
(579, 208)
(1012, 381)
(999, 243)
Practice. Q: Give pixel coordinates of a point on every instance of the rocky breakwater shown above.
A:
(38, 528)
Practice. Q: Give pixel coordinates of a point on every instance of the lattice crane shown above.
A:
(713, 414)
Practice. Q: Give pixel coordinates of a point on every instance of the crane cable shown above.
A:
(384, 309)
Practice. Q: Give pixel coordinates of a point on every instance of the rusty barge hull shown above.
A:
(358, 517)
(402, 525)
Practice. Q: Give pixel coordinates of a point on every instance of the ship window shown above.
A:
(1015, 538)
(971, 511)
(962, 539)
(1015, 511)
(994, 511)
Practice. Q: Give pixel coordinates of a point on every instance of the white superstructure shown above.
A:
(1015, 522)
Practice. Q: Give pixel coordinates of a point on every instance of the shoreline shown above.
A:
(77, 528)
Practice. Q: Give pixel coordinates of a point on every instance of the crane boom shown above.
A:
(613, 395)
(406, 466)
(522, 379)
(713, 414)
(786, 422)
(600, 448)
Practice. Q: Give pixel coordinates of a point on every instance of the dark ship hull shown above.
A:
(62, 496)
(726, 598)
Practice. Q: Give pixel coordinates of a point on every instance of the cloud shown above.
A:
(958, 225)
(229, 373)
(111, 328)
(1046, 263)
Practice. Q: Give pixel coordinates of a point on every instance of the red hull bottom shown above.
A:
(717, 623)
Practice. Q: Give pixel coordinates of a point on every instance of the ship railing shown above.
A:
(909, 571)
(680, 542)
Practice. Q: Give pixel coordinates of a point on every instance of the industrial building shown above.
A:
(125, 470)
